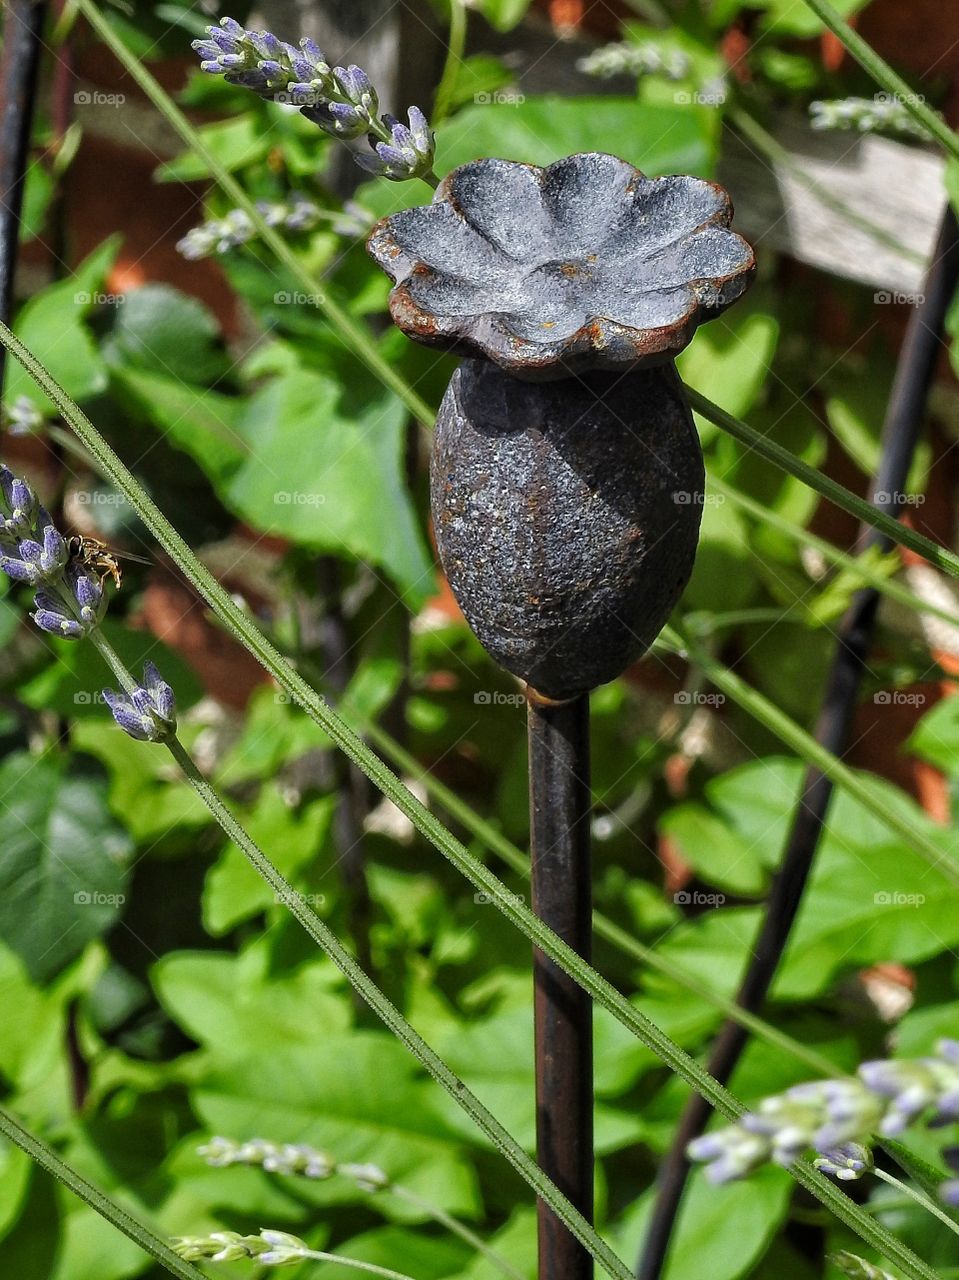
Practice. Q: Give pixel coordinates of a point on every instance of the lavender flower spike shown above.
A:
(838, 1117)
(74, 610)
(38, 558)
(19, 507)
(408, 153)
(148, 713)
(341, 100)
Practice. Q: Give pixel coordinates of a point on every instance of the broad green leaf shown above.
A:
(730, 358)
(722, 577)
(162, 331)
(503, 14)
(719, 854)
(786, 18)
(516, 1241)
(198, 421)
(236, 143)
(936, 736)
(539, 130)
(51, 325)
(229, 1004)
(325, 468)
(63, 876)
(360, 1097)
(730, 1225)
(293, 837)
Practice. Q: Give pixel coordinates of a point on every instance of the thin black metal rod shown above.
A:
(905, 412)
(22, 29)
(559, 791)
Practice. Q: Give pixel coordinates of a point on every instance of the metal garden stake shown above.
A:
(567, 483)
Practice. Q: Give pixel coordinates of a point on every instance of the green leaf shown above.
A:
(936, 737)
(504, 15)
(325, 469)
(162, 331)
(236, 142)
(63, 874)
(730, 1225)
(731, 358)
(294, 836)
(411, 1253)
(786, 18)
(717, 852)
(360, 1097)
(539, 130)
(231, 1005)
(51, 324)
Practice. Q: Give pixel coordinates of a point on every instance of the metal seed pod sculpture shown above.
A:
(567, 476)
(566, 485)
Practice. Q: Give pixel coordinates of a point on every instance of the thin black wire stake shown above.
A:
(901, 430)
(559, 802)
(18, 78)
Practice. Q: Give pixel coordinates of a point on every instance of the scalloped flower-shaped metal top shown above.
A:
(586, 264)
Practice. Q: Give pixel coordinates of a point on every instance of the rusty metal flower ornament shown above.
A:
(566, 477)
(586, 264)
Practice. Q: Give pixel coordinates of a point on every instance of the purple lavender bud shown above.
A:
(208, 51)
(231, 61)
(87, 592)
(50, 614)
(129, 719)
(356, 86)
(948, 1049)
(253, 79)
(402, 138)
(420, 129)
(232, 28)
(847, 1162)
(272, 70)
(302, 68)
(223, 40)
(20, 505)
(315, 55)
(266, 45)
(347, 121)
(211, 68)
(148, 712)
(161, 695)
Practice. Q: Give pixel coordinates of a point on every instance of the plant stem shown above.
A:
(324, 937)
(827, 488)
(930, 1206)
(49, 1161)
(356, 336)
(455, 47)
(883, 74)
(857, 565)
(559, 801)
(457, 1228)
(20, 58)
(901, 430)
(370, 1267)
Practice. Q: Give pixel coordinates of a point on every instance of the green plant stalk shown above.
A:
(930, 1206)
(245, 631)
(805, 746)
(894, 529)
(324, 937)
(844, 1208)
(51, 1163)
(455, 46)
(851, 564)
(457, 1228)
(315, 1255)
(354, 334)
(605, 928)
(722, 1100)
(883, 74)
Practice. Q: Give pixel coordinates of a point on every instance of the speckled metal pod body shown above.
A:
(566, 515)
